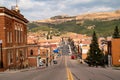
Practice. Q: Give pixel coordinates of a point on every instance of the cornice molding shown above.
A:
(4, 14)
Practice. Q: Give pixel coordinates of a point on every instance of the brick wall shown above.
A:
(8, 19)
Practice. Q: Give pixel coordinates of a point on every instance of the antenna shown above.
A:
(16, 7)
(16, 3)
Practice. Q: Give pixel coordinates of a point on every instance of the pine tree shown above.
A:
(47, 36)
(50, 36)
(116, 33)
(95, 55)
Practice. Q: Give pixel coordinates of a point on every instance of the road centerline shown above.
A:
(69, 74)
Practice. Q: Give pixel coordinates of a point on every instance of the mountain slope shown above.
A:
(102, 28)
(103, 23)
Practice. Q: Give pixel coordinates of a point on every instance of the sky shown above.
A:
(44, 9)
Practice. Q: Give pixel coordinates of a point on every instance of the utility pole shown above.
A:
(47, 58)
(109, 53)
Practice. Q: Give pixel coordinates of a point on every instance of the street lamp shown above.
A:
(47, 59)
(109, 53)
(47, 54)
(1, 57)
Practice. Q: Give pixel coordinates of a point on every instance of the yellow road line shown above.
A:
(69, 74)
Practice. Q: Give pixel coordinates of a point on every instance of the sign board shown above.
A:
(84, 51)
(119, 60)
(56, 51)
(0, 41)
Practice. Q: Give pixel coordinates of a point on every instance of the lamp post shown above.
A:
(109, 53)
(47, 58)
(47, 54)
(1, 56)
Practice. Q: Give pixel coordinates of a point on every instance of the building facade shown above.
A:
(13, 38)
(116, 52)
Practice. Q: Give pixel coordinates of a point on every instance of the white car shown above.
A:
(41, 63)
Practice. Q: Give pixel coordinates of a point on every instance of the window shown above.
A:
(25, 53)
(10, 57)
(8, 37)
(16, 34)
(17, 54)
(31, 52)
(21, 35)
(21, 56)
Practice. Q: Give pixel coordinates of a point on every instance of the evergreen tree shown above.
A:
(47, 36)
(116, 33)
(50, 36)
(95, 55)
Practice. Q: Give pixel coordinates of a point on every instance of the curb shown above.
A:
(15, 71)
(116, 68)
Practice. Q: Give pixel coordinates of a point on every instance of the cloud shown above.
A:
(42, 9)
(99, 9)
(1, 2)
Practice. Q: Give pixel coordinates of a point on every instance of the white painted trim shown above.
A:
(3, 14)
(32, 57)
(14, 47)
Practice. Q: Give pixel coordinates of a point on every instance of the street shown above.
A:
(59, 72)
(83, 72)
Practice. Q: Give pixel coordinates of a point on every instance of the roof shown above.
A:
(13, 13)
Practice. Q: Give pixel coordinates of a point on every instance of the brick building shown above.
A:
(13, 37)
(37, 52)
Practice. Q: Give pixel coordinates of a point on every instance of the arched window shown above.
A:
(16, 34)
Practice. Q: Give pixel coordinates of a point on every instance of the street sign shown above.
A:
(0, 41)
(56, 51)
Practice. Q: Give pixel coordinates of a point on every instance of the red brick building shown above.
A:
(13, 37)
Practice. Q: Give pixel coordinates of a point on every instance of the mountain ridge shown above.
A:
(103, 23)
(90, 16)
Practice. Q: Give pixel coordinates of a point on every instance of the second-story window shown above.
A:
(8, 37)
(16, 33)
(21, 35)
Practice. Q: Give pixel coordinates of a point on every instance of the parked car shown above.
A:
(55, 61)
(72, 56)
(41, 62)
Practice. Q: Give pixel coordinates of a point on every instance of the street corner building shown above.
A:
(116, 52)
(13, 38)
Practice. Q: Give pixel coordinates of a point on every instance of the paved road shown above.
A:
(54, 72)
(66, 69)
(83, 72)
(65, 49)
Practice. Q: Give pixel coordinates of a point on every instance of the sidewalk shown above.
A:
(116, 68)
(28, 69)
(18, 70)
(106, 67)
